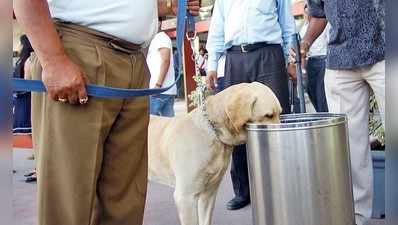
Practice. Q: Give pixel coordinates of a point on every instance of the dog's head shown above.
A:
(237, 105)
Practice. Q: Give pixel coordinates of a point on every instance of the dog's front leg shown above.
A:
(187, 207)
(207, 200)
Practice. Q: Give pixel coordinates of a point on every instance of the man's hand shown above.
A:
(211, 80)
(65, 81)
(62, 78)
(291, 67)
(291, 70)
(304, 48)
(315, 28)
(165, 60)
(193, 7)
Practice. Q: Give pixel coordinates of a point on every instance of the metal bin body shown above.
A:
(300, 171)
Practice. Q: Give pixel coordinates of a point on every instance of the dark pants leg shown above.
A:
(294, 101)
(22, 123)
(239, 172)
(267, 66)
(220, 84)
(316, 86)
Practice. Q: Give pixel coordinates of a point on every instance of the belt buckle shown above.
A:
(243, 48)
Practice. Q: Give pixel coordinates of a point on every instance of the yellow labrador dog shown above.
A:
(193, 151)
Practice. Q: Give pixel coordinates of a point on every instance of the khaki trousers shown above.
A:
(347, 91)
(92, 159)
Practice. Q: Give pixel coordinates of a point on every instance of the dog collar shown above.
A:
(211, 123)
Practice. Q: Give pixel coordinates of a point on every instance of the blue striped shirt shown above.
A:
(236, 22)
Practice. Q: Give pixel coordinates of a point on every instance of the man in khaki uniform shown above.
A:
(92, 153)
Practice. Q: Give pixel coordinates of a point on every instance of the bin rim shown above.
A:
(301, 121)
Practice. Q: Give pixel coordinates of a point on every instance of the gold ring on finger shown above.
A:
(83, 101)
(63, 100)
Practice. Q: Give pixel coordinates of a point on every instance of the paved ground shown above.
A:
(160, 207)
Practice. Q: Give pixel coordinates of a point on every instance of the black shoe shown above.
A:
(31, 179)
(30, 173)
(237, 203)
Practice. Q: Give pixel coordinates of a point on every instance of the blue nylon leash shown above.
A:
(183, 18)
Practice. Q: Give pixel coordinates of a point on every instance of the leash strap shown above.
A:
(183, 18)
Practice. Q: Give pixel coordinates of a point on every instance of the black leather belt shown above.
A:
(250, 47)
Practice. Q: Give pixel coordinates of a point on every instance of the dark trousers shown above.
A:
(220, 84)
(315, 86)
(22, 123)
(265, 65)
(294, 101)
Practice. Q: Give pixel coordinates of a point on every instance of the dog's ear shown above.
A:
(239, 110)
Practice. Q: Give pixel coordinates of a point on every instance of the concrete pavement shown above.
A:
(160, 209)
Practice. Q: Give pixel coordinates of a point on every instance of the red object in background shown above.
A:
(22, 141)
(169, 27)
(189, 72)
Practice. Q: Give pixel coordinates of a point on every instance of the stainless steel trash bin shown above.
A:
(300, 171)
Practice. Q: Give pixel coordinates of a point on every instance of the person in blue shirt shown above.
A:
(255, 36)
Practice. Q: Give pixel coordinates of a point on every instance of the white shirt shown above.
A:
(221, 67)
(131, 20)
(161, 40)
(320, 45)
(202, 62)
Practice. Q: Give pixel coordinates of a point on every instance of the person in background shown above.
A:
(22, 124)
(180, 86)
(202, 61)
(255, 36)
(315, 66)
(161, 66)
(22, 100)
(92, 152)
(355, 64)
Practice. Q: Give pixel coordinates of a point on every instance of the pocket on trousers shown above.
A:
(88, 57)
(146, 74)
(36, 68)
